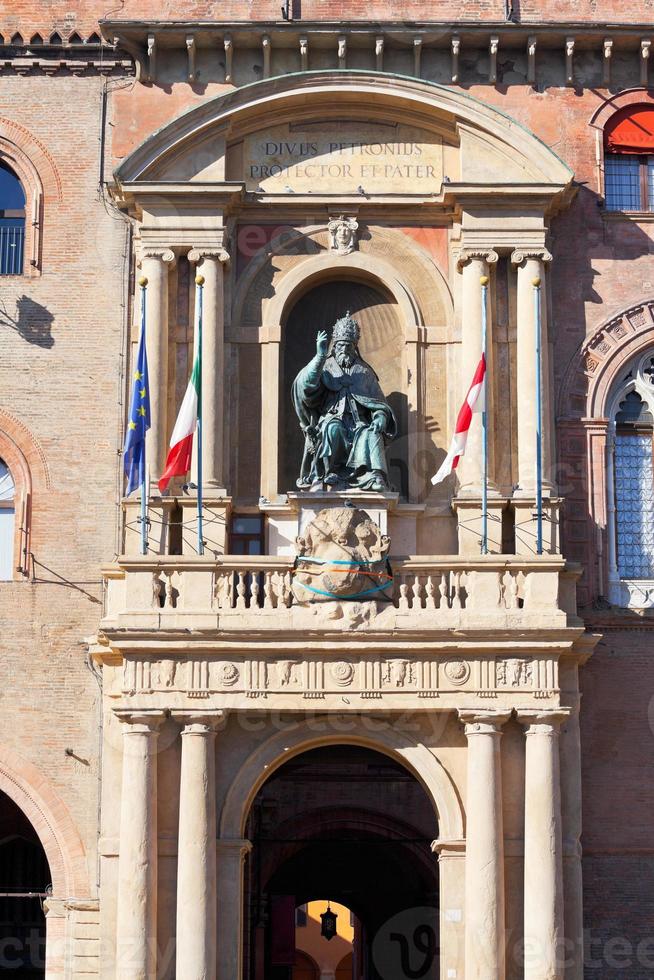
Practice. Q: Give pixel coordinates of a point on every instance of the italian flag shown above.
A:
(178, 461)
(474, 402)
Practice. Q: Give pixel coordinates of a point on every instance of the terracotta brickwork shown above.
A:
(61, 340)
(27, 16)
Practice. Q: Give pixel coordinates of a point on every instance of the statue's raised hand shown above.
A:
(322, 343)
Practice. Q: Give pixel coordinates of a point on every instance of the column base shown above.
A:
(469, 524)
(525, 522)
(216, 512)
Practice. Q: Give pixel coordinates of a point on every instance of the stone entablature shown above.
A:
(350, 681)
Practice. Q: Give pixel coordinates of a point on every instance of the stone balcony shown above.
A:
(230, 630)
(435, 594)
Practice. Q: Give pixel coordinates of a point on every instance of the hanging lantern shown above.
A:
(328, 927)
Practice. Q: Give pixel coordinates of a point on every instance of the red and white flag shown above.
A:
(474, 402)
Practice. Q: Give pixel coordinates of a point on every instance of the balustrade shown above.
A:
(454, 587)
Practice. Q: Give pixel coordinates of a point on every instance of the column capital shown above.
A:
(200, 721)
(521, 255)
(199, 254)
(448, 848)
(153, 252)
(544, 722)
(483, 722)
(239, 846)
(466, 255)
(142, 721)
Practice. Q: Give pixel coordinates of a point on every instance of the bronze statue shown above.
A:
(344, 416)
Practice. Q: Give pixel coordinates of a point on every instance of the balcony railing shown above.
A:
(12, 242)
(234, 591)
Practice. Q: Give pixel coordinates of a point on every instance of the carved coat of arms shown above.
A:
(341, 555)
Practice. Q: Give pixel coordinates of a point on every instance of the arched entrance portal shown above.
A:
(24, 882)
(382, 344)
(349, 824)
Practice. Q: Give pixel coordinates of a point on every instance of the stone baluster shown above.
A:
(543, 889)
(155, 266)
(484, 870)
(474, 264)
(231, 858)
(196, 860)
(136, 921)
(210, 264)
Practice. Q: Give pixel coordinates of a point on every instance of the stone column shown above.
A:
(271, 367)
(451, 884)
(543, 924)
(155, 263)
(136, 920)
(209, 263)
(474, 264)
(196, 850)
(531, 268)
(231, 858)
(484, 870)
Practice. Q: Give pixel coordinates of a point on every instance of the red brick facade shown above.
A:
(63, 344)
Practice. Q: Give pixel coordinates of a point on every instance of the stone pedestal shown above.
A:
(216, 512)
(469, 524)
(524, 514)
(159, 514)
(484, 873)
(286, 522)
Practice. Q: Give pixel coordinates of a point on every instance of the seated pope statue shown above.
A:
(344, 416)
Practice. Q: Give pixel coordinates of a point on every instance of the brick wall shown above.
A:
(60, 368)
(28, 16)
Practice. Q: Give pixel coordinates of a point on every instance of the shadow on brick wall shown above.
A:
(32, 321)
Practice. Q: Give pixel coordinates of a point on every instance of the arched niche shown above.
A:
(381, 346)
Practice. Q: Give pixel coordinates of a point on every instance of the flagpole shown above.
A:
(143, 283)
(484, 419)
(539, 409)
(199, 281)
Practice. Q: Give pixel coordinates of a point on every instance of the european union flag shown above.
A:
(138, 421)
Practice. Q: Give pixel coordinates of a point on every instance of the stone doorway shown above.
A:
(25, 881)
(349, 824)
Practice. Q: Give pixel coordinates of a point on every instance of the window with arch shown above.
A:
(7, 518)
(629, 159)
(12, 222)
(631, 487)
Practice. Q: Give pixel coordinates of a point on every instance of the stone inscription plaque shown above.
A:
(341, 157)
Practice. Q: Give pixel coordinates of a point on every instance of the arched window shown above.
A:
(7, 513)
(12, 222)
(631, 487)
(629, 159)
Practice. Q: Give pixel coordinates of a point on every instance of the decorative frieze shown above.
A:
(316, 677)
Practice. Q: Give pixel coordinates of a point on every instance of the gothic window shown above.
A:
(631, 485)
(629, 160)
(7, 512)
(12, 222)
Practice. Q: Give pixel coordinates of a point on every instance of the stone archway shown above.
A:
(349, 824)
